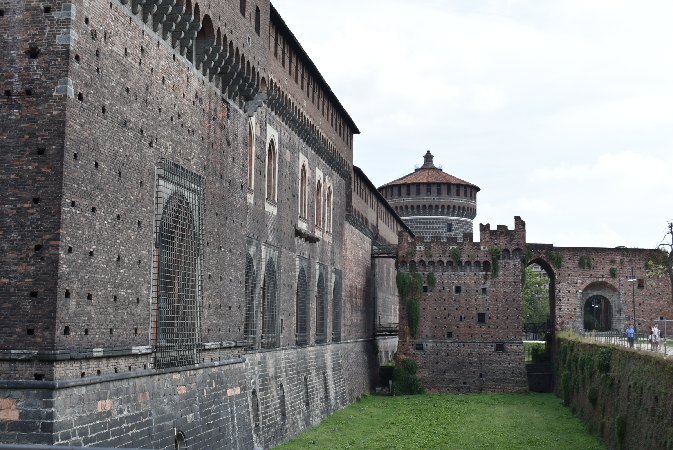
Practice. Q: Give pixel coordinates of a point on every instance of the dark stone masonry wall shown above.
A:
(112, 106)
(240, 403)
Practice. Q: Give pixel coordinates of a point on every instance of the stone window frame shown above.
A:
(318, 195)
(303, 192)
(252, 128)
(272, 149)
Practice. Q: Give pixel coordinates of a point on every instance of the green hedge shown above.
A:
(624, 396)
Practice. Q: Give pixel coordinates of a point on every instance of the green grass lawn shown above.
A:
(444, 421)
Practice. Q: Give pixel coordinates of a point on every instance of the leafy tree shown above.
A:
(660, 262)
(535, 296)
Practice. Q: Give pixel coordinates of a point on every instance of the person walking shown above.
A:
(655, 337)
(630, 335)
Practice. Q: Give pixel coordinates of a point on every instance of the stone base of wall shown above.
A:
(258, 400)
(470, 366)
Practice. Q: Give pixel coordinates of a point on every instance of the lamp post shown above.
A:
(633, 281)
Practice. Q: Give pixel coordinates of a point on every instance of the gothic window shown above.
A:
(251, 156)
(328, 210)
(336, 307)
(302, 308)
(318, 205)
(257, 20)
(177, 271)
(271, 170)
(250, 287)
(270, 306)
(303, 200)
(320, 309)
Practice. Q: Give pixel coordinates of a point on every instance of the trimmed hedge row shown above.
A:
(624, 396)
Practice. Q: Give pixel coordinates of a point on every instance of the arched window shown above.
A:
(251, 156)
(336, 307)
(242, 6)
(318, 204)
(328, 210)
(257, 20)
(250, 287)
(269, 306)
(177, 282)
(303, 200)
(302, 308)
(320, 310)
(271, 161)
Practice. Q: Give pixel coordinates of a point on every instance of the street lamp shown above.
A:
(633, 281)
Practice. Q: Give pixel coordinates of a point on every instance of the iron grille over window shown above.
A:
(321, 306)
(302, 307)
(177, 287)
(270, 335)
(336, 310)
(252, 264)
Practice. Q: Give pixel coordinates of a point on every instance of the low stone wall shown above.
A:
(257, 400)
(624, 396)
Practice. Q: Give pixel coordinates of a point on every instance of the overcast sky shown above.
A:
(560, 111)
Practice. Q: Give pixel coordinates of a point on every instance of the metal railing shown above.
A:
(641, 341)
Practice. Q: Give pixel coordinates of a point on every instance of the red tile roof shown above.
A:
(429, 175)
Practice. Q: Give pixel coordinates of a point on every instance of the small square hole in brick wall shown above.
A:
(449, 334)
(69, 249)
(86, 331)
(67, 293)
(641, 283)
(484, 291)
(93, 209)
(77, 58)
(29, 92)
(80, 96)
(481, 317)
(82, 375)
(38, 376)
(66, 331)
(425, 289)
(95, 164)
(86, 20)
(2, 12)
(500, 347)
(36, 200)
(481, 375)
(74, 155)
(30, 331)
(41, 150)
(135, 331)
(89, 296)
(98, 372)
(33, 294)
(38, 247)
(420, 346)
(457, 289)
(90, 252)
(111, 331)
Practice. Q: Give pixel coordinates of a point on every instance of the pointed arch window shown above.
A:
(303, 200)
(318, 204)
(328, 210)
(257, 20)
(251, 156)
(271, 170)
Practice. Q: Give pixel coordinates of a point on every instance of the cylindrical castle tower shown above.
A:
(432, 202)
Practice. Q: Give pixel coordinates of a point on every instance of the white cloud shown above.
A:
(562, 112)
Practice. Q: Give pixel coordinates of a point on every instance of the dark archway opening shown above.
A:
(538, 305)
(597, 314)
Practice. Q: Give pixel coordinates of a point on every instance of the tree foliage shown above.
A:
(535, 296)
(660, 263)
